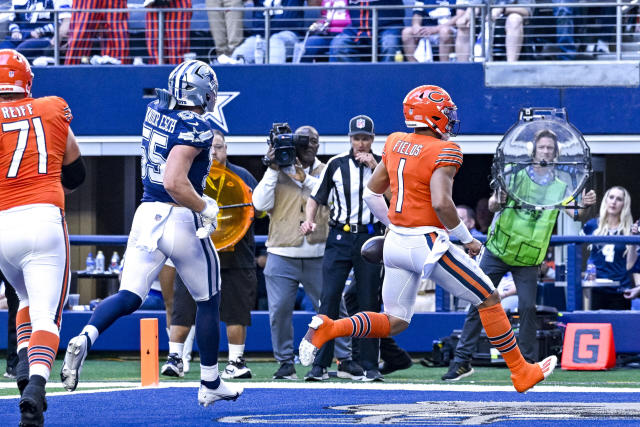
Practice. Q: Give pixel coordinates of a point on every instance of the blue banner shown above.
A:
(111, 101)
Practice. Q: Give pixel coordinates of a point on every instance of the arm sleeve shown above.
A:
(377, 205)
(450, 155)
(263, 194)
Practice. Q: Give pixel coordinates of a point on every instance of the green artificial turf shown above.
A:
(127, 368)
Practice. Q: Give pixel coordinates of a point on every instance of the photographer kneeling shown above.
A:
(292, 258)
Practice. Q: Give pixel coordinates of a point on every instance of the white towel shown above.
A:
(440, 246)
(152, 228)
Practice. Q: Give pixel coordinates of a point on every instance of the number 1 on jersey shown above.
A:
(400, 184)
(23, 127)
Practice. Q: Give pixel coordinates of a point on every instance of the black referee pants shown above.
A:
(342, 253)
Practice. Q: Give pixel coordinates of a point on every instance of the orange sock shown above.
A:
(43, 347)
(524, 375)
(23, 327)
(365, 324)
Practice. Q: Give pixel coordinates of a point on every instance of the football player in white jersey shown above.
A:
(176, 143)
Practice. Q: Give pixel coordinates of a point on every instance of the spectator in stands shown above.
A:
(351, 223)
(468, 217)
(177, 24)
(505, 251)
(31, 30)
(226, 26)
(463, 26)
(94, 27)
(436, 25)
(286, 28)
(353, 44)
(292, 258)
(333, 20)
(483, 215)
(514, 12)
(612, 261)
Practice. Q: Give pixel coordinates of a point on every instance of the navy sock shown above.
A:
(114, 307)
(208, 330)
(211, 384)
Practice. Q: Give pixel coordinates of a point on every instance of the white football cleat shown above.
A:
(74, 358)
(307, 351)
(548, 365)
(207, 396)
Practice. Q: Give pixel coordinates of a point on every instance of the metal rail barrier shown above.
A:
(534, 30)
(573, 267)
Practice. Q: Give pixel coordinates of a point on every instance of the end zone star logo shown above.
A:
(217, 115)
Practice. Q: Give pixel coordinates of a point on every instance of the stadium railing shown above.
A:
(569, 30)
(573, 266)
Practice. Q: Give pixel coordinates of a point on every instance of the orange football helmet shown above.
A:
(432, 107)
(15, 73)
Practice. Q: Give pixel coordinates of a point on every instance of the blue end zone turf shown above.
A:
(178, 407)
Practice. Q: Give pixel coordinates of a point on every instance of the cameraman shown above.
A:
(292, 258)
(352, 223)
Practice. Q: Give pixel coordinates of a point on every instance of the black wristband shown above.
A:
(73, 174)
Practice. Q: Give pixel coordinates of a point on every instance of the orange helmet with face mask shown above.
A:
(15, 73)
(432, 107)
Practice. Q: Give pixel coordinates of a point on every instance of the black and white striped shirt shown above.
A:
(343, 182)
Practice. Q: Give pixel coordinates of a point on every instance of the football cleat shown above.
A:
(173, 367)
(77, 351)
(207, 396)
(236, 369)
(307, 350)
(537, 372)
(32, 405)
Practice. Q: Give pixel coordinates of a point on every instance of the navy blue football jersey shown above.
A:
(162, 130)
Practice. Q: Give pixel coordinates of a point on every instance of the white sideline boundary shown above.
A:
(110, 386)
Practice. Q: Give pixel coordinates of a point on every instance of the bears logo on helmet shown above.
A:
(432, 107)
(15, 73)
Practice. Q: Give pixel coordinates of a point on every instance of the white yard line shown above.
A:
(107, 386)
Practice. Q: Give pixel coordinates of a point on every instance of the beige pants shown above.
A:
(226, 26)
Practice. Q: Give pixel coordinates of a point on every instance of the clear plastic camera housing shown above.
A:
(516, 164)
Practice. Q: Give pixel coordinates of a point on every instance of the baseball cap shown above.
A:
(361, 124)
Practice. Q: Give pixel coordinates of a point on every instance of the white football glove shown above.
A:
(209, 218)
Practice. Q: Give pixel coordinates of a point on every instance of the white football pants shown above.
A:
(160, 231)
(34, 257)
(407, 257)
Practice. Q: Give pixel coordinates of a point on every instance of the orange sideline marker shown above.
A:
(149, 368)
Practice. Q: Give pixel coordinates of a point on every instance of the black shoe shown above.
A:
(458, 370)
(33, 404)
(389, 367)
(317, 373)
(286, 372)
(236, 369)
(373, 375)
(350, 369)
(174, 366)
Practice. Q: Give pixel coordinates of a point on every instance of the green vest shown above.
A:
(520, 237)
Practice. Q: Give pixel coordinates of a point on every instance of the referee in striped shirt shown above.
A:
(351, 224)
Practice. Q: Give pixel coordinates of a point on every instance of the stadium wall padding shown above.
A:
(108, 100)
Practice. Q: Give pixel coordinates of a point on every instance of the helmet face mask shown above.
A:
(15, 73)
(194, 83)
(431, 106)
